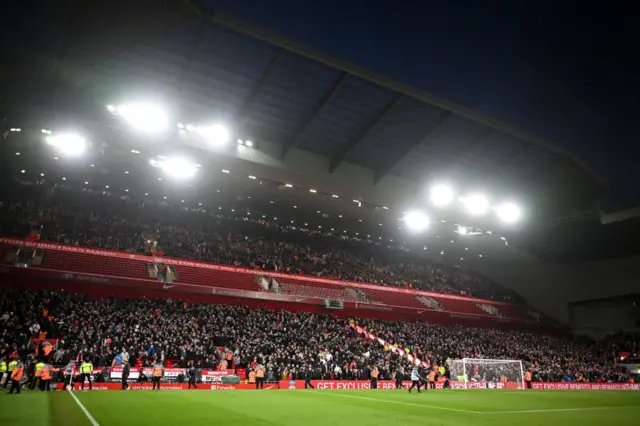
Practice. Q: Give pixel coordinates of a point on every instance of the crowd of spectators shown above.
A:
(550, 358)
(180, 333)
(94, 219)
(288, 344)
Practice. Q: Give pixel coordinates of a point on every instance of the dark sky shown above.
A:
(561, 70)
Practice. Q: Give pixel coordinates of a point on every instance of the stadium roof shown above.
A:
(315, 120)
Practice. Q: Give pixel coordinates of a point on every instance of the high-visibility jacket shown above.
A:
(3, 367)
(47, 372)
(17, 372)
(375, 373)
(527, 376)
(39, 367)
(260, 373)
(86, 368)
(12, 366)
(47, 350)
(432, 376)
(252, 377)
(157, 371)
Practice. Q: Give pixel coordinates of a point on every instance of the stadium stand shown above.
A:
(115, 224)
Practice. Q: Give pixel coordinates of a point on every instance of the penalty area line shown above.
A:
(434, 407)
(83, 408)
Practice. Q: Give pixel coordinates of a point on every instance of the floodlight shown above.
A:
(215, 134)
(509, 212)
(249, 143)
(416, 221)
(68, 143)
(441, 195)
(144, 117)
(179, 168)
(476, 204)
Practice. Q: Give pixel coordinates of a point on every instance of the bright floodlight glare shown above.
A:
(249, 143)
(215, 134)
(68, 143)
(441, 195)
(416, 221)
(476, 204)
(144, 117)
(509, 212)
(179, 168)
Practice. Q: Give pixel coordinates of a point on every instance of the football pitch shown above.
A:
(360, 407)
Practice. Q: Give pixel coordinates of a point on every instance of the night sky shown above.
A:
(555, 68)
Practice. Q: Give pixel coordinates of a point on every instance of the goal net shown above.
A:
(487, 373)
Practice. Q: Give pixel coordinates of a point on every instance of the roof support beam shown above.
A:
(324, 101)
(357, 140)
(397, 156)
(204, 30)
(244, 108)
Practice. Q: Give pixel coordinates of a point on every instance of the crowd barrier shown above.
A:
(169, 386)
(361, 384)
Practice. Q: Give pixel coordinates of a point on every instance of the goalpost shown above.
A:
(486, 373)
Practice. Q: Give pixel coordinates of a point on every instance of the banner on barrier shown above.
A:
(586, 386)
(171, 386)
(134, 373)
(359, 384)
(387, 384)
(208, 376)
(215, 376)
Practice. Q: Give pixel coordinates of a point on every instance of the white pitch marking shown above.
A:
(84, 410)
(435, 407)
(554, 410)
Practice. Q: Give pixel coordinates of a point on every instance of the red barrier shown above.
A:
(204, 265)
(170, 386)
(361, 384)
(586, 386)
(385, 385)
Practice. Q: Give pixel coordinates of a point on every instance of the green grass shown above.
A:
(361, 407)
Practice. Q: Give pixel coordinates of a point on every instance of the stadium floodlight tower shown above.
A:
(509, 212)
(487, 373)
(177, 168)
(215, 134)
(416, 221)
(441, 195)
(69, 144)
(144, 117)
